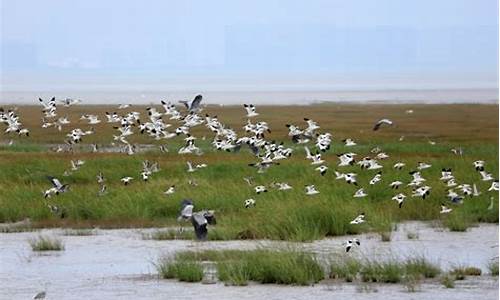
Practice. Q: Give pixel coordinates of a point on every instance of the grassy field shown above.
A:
(287, 215)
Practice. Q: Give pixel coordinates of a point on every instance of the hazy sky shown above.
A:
(95, 44)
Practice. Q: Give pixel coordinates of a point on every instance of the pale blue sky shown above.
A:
(380, 44)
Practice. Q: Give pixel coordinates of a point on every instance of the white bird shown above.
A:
(494, 186)
(283, 186)
(359, 219)
(381, 122)
(395, 184)
(260, 189)
(376, 178)
(350, 243)
(486, 176)
(349, 142)
(57, 187)
(190, 167)
(422, 165)
(126, 180)
(475, 191)
(251, 112)
(76, 164)
(123, 106)
(170, 190)
(382, 155)
(399, 198)
(360, 193)
(479, 165)
(444, 209)
(399, 165)
(322, 170)
(351, 178)
(446, 174)
(422, 191)
(249, 203)
(311, 190)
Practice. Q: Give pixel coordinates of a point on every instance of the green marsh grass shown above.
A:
(279, 215)
(237, 267)
(183, 270)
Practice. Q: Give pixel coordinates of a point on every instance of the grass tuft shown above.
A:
(188, 271)
(448, 281)
(493, 268)
(44, 243)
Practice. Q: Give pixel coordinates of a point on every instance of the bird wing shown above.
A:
(195, 104)
(55, 182)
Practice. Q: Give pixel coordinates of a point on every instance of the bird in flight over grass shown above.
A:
(251, 111)
(381, 122)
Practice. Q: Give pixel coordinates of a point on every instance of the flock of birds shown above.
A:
(267, 154)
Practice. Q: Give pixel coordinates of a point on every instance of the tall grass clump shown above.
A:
(237, 267)
(188, 271)
(234, 273)
(419, 266)
(457, 222)
(448, 281)
(383, 272)
(460, 273)
(493, 268)
(45, 243)
(346, 269)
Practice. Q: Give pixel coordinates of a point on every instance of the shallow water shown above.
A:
(118, 264)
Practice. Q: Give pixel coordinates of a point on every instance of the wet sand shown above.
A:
(119, 264)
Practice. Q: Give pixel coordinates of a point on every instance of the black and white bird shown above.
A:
(200, 221)
(423, 165)
(399, 165)
(360, 193)
(251, 111)
(376, 178)
(249, 203)
(479, 165)
(57, 187)
(349, 142)
(282, 186)
(126, 180)
(311, 190)
(422, 191)
(322, 170)
(445, 209)
(359, 219)
(381, 122)
(351, 243)
(260, 189)
(494, 186)
(399, 198)
(186, 211)
(395, 184)
(170, 190)
(485, 176)
(350, 178)
(194, 105)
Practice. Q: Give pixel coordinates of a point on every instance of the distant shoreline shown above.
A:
(444, 96)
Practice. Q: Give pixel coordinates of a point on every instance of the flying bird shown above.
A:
(381, 122)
